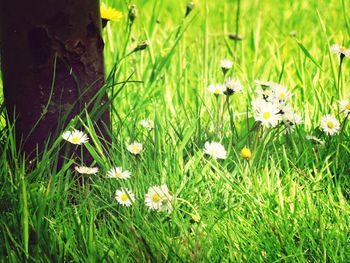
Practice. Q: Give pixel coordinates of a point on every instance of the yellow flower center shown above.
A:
(217, 91)
(266, 115)
(342, 49)
(347, 106)
(330, 125)
(282, 95)
(246, 153)
(155, 198)
(75, 139)
(214, 152)
(135, 149)
(119, 174)
(124, 197)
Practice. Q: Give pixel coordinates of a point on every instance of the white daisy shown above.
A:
(75, 137)
(266, 112)
(337, 49)
(329, 124)
(135, 148)
(86, 170)
(265, 94)
(117, 172)
(125, 197)
(226, 65)
(216, 89)
(159, 198)
(291, 118)
(215, 149)
(280, 92)
(345, 106)
(256, 103)
(147, 123)
(232, 86)
(263, 83)
(283, 107)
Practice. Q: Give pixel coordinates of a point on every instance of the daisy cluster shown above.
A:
(157, 198)
(230, 85)
(272, 106)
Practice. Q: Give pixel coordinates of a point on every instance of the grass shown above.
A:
(289, 202)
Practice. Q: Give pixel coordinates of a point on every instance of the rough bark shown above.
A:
(38, 37)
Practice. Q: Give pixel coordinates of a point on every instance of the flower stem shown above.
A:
(237, 20)
(196, 217)
(339, 77)
(217, 116)
(232, 124)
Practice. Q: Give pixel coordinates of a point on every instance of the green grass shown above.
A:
(290, 202)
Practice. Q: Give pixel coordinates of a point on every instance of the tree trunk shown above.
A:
(52, 65)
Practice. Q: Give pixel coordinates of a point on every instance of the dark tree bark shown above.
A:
(51, 54)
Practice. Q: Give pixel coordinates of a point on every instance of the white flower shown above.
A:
(291, 118)
(256, 103)
(265, 94)
(329, 124)
(147, 123)
(280, 92)
(117, 172)
(75, 137)
(266, 112)
(232, 86)
(125, 197)
(226, 64)
(263, 83)
(345, 106)
(315, 139)
(159, 198)
(283, 107)
(215, 149)
(337, 49)
(216, 89)
(135, 148)
(86, 170)
(272, 91)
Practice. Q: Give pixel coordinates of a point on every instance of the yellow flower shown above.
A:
(110, 14)
(246, 153)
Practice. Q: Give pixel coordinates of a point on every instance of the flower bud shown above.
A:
(132, 13)
(226, 65)
(141, 46)
(189, 8)
(234, 37)
(246, 153)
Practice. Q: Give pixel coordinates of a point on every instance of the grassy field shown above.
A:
(289, 202)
